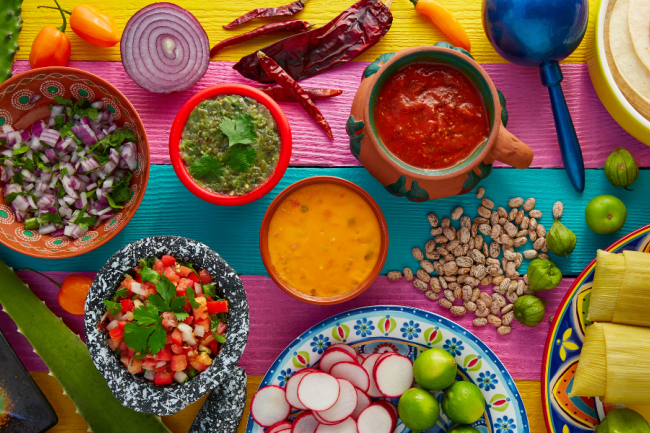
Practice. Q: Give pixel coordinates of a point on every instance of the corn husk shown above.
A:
(608, 278)
(616, 356)
(589, 380)
(632, 304)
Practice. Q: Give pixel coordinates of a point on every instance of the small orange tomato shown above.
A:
(72, 296)
(94, 26)
(51, 47)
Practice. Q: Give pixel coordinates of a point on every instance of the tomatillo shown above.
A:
(605, 214)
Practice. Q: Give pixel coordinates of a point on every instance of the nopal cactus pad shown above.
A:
(10, 25)
(69, 362)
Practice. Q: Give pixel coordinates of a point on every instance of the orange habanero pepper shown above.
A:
(51, 47)
(93, 25)
(72, 293)
(444, 20)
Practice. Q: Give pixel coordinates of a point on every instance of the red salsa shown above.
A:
(431, 116)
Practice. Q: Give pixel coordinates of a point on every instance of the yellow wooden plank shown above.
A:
(409, 29)
(71, 422)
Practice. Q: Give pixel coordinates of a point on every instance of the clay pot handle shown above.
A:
(510, 150)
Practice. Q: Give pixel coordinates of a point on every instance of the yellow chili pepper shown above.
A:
(444, 20)
(51, 47)
(93, 25)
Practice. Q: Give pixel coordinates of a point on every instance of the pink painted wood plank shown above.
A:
(276, 319)
(527, 100)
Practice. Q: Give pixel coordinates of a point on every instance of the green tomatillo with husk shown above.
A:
(529, 310)
(543, 275)
(621, 169)
(560, 240)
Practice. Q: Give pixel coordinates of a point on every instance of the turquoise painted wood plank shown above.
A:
(169, 209)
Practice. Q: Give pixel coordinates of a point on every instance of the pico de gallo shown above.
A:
(166, 320)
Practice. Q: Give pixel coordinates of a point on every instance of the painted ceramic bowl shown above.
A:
(409, 332)
(602, 70)
(562, 413)
(264, 235)
(416, 184)
(136, 392)
(16, 101)
(179, 124)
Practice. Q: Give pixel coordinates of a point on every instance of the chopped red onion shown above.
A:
(164, 48)
(20, 203)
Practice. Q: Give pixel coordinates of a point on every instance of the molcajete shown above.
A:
(421, 184)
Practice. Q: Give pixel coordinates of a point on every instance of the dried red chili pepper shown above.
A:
(307, 54)
(280, 11)
(278, 94)
(284, 26)
(290, 86)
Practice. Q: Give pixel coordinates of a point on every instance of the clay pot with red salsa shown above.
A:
(427, 123)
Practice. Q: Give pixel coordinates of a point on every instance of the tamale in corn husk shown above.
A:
(621, 289)
(624, 352)
(608, 278)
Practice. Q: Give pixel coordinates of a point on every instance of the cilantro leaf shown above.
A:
(84, 221)
(60, 100)
(190, 297)
(49, 218)
(113, 307)
(181, 316)
(58, 122)
(121, 192)
(149, 275)
(11, 197)
(119, 294)
(66, 131)
(241, 158)
(215, 320)
(240, 130)
(145, 334)
(220, 338)
(150, 262)
(115, 139)
(21, 150)
(207, 167)
(177, 304)
(210, 290)
(166, 299)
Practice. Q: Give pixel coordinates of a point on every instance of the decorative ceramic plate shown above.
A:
(409, 331)
(564, 414)
(17, 98)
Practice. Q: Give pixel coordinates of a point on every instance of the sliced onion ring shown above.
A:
(164, 48)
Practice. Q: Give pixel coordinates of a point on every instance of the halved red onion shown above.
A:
(164, 48)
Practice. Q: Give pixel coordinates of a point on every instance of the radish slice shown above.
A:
(391, 407)
(292, 388)
(322, 421)
(344, 406)
(318, 391)
(375, 419)
(269, 406)
(333, 356)
(304, 423)
(347, 426)
(362, 357)
(369, 366)
(280, 427)
(393, 375)
(352, 372)
(343, 346)
(363, 401)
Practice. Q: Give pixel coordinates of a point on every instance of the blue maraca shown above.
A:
(540, 33)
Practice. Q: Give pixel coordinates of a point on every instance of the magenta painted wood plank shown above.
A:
(527, 101)
(276, 319)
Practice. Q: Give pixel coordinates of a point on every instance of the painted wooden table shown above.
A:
(233, 232)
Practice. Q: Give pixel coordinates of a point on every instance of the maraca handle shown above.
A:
(566, 133)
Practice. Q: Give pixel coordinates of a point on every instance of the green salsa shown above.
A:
(203, 136)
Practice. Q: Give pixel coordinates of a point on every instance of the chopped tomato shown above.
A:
(127, 305)
(168, 261)
(179, 362)
(173, 277)
(208, 338)
(205, 276)
(204, 358)
(189, 320)
(163, 355)
(126, 283)
(177, 349)
(198, 366)
(150, 362)
(214, 347)
(169, 320)
(205, 323)
(136, 366)
(177, 337)
(200, 313)
(221, 328)
(123, 346)
(216, 307)
(185, 271)
(158, 266)
(181, 287)
(138, 277)
(117, 334)
(163, 378)
(192, 276)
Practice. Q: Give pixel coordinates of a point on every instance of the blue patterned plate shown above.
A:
(409, 331)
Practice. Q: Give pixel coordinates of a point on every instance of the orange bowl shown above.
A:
(16, 101)
(264, 234)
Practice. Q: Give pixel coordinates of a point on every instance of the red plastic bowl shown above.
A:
(179, 124)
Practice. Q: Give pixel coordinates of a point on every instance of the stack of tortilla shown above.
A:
(627, 31)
